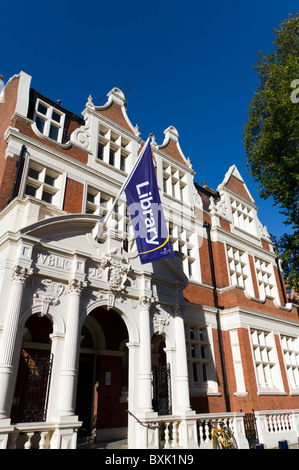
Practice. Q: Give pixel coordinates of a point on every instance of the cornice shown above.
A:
(239, 310)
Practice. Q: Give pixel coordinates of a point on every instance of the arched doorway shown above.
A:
(34, 372)
(102, 390)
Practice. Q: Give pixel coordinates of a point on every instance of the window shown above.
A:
(49, 121)
(43, 183)
(199, 356)
(97, 202)
(174, 182)
(101, 151)
(266, 362)
(112, 157)
(238, 268)
(290, 348)
(123, 162)
(113, 149)
(185, 242)
(243, 216)
(265, 279)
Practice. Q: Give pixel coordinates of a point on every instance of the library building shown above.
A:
(96, 347)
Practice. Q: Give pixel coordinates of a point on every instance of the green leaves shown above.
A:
(271, 133)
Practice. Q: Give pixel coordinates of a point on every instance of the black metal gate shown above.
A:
(31, 399)
(162, 389)
(250, 429)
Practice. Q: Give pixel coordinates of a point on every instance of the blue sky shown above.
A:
(187, 64)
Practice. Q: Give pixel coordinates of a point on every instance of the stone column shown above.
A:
(68, 373)
(9, 334)
(187, 431)
(183, 398)
(145, 362)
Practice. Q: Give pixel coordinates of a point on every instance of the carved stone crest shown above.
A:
(161, 318)
(117, 273)
(47, 292)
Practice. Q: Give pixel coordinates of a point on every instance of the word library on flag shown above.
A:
(143, 198)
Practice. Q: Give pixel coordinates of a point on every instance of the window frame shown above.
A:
(266, 362)
(41, 185)
(48, 120)
(202, 378)
(293, 363)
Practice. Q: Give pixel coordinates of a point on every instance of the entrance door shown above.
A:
(31, 395)
(84, 402)
(162, 389)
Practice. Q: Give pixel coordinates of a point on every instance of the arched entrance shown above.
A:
(102, 389)
(34, 372)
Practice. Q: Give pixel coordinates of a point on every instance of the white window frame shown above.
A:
(40, 184)
(120, 146)
(47, 118)
(265, 279)
(290, 351)
(243, 216)
(197, 344)
(239, 268)
(266, 363)
(185, 241)
(174, 182)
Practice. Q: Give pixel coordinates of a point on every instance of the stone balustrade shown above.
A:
(272, 427)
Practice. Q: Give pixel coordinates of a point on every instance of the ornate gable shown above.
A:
(171, 146)
(235, 183)
(115, 110)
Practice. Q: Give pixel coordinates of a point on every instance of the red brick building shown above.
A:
(116, 344)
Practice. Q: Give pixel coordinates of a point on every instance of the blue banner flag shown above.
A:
(143, 198)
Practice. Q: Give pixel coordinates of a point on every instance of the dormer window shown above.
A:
(49, 120)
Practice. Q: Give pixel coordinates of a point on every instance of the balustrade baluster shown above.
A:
(29, 437)
(174, 435)
(207, 432)
(166, 436)
(278, 423)
(42, 442)
(200, 432)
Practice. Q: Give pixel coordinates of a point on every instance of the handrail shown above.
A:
(140, 422)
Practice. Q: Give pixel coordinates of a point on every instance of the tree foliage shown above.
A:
(271, 135)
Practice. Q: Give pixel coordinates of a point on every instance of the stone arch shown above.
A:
(31, 385)
(102, 391)
(122, 310)
(53, 315)
(96, 331)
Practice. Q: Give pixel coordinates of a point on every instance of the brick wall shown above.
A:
(73, 197)
(8, 166)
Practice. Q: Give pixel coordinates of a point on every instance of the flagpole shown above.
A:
(126, 182)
